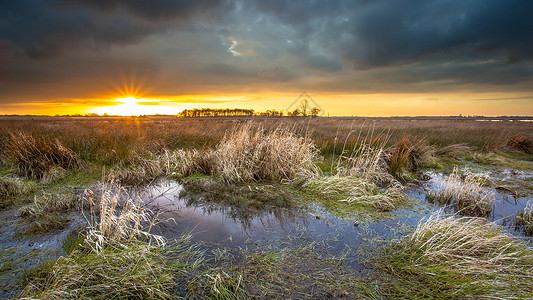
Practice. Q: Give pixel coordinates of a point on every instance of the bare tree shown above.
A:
(315, 111)
(304, 105)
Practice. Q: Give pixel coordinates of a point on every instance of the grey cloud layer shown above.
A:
(465, 41)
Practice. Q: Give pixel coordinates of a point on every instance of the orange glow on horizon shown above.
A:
(405, 104)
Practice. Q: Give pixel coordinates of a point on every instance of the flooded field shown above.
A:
(301, 219)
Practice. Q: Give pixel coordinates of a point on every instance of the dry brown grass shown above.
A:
(252, 153)
(521, 143)
(407, 155)
(36, 156)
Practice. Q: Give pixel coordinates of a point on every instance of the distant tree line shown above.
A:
(228, 112)
(216, 112)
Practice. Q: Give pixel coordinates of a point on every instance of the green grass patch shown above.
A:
(135, 271)
(307, 271)
(353, 197)
(456, 258)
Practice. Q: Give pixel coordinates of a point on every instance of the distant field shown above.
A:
(101, 139)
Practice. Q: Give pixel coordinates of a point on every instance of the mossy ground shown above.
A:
(255, 197)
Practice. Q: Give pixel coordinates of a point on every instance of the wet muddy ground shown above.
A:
(215, 226)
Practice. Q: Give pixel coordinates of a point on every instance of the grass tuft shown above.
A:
(111, 261)
(355, 191)
(249, 153)
(407, 155)
(465, 194)
(521, 143)
(454, 151)
(129, 271)
(524, 219)
(459, 258)
(35, 157)
(119, 219)
(45, 212)
(11, 189)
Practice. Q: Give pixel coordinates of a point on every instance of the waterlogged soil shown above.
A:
(215, 223)
(218, 226)
(20, 252)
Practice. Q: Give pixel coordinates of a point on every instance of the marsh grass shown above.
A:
(453, 257)
(252, 153)
(182, 163)
(454, 151)
(12, 189)
(466, 194)
(306, 271)
(116, 257)
(34, 157)
(520, 142)
(243, 198)
(46, 212)
(136, 171)
(408, 155)
(524, 218)
(361, 155)
(116, 218)
(355, 193)
(134, 271)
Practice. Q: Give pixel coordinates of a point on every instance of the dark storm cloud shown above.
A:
(46, 29)
(150, 10)
(386, 32)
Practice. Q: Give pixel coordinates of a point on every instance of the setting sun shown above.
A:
(131, 106)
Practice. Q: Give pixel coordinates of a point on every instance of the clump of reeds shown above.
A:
(487, 158)
(44, 203)
(361, 155)
(13, 188)
(467, 255)
(464, 193)
(521, 143)
(10, 187)
(356, 190)
(524, 219)
(117, 218)
(407, 155)
(138, 170)
(34, 157)
(54, 173)
(249, 153)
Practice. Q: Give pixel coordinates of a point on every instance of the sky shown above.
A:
(356, 57)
